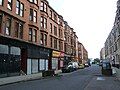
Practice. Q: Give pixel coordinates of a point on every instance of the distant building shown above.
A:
(82, 54)
(102, 53)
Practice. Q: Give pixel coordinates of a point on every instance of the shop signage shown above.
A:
(55, 54)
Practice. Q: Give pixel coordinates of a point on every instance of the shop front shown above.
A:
(38, 59)
(10, 58)
(20, 58)
(57, 60)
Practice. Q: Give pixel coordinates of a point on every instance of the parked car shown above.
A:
(73, 65)
(106, 68)
(65, 69)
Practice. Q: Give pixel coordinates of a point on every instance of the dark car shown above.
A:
(106, 68)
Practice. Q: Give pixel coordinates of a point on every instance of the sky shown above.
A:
(92, 20)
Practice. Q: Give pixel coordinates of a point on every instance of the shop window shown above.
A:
(43, 64)
(34, 65)
(9, 5)
(19, 8)
(19, 30)
(54, 63)
(15, 51)
(3, 49)
(1, 2)
(8, 26)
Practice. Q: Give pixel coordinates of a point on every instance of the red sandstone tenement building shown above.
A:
(34, 38)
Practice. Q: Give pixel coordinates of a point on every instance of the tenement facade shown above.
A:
(34, 38)
(112, 44)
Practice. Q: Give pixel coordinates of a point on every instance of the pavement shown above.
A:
(22, 78)
(14, 79)
(116, 72)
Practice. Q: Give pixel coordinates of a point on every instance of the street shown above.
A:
(89, 78)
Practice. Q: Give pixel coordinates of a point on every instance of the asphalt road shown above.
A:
(84, 79)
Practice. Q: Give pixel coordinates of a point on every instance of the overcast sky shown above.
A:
(92, 20)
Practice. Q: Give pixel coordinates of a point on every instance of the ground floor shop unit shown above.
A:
(18, 57)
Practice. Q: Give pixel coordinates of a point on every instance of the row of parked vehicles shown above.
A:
(72, 66)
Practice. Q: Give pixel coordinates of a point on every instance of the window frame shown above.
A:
(31, 15)
(9, 5)
(19, 8)
(55, 30)
(8, 27)
(43, 6)
(30, 34)
(43, 22)
(55, 43)
(34, 35)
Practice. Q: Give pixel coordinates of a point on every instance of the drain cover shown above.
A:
(100, 78)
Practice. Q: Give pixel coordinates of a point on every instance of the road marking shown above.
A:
(100, 78)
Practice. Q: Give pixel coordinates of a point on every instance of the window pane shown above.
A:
(16, 29)
(21, 13)
(21, 6)
(7, 30)
(41, 7)
(41, 21)
(41, 64)
(21, 9)
(1, 2)
(9, 5)
(45, 23)
(30, 34)
(20, 31)
(34, 35)
(35, 16)
(45, 7)
(15, 51)
(17, 7)
(31, 14)
(3, 49)
(35, 1)
(31, 0)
